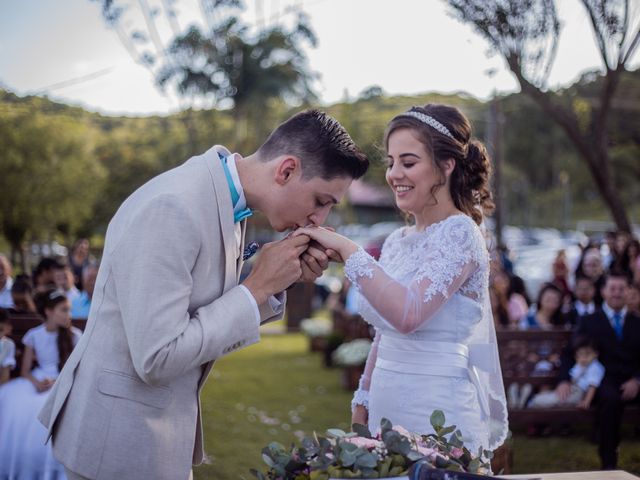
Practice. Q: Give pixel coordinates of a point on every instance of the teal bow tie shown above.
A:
(235, 196)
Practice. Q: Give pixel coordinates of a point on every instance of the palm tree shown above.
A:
(228, 66)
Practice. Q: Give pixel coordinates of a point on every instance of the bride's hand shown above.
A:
(330, 240)
(360, 415)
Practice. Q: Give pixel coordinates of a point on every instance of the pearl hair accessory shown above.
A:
(432, 122)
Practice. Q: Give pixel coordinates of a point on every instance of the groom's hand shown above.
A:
(313, 262)
(276, 268)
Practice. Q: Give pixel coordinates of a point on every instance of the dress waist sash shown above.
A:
(446, 359)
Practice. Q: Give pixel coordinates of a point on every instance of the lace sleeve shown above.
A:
(361, 395)
(447, 264)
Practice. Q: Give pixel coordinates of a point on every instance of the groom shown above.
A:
(167, 302)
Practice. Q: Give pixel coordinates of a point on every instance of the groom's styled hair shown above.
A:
(323, 146)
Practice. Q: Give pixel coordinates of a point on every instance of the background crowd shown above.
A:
(598, 299)
(57, 290)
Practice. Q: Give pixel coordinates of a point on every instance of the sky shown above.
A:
(404, 46)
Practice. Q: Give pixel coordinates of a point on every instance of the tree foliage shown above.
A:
(526, 33)
(222, 62)
(48, 175)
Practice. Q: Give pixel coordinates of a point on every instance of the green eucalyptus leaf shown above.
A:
(385, 466)
(347, 458)
(336, 432)
(366, 460)
(257, 474)
(267, 459)
(385, 425)
(348, 446)
(361, 430)
(446, 430)
(437, 419)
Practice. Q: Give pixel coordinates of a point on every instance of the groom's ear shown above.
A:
(288, 167)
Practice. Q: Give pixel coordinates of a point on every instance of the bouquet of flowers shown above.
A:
(359, 454)
(352, 353)
(316, 327)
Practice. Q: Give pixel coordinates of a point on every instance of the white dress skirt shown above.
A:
(23, 452)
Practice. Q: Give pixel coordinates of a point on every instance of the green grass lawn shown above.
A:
(277, 390)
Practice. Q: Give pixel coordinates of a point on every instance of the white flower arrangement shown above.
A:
(352, 353)
(316, 327)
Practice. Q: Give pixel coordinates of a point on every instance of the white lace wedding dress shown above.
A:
(435, 346)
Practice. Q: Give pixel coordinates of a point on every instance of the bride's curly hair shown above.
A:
(469, 182)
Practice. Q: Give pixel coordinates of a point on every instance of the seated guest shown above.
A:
(583, 304)
(633, 299)
(7, 348)
(629, 260)
(5, 282)
(82, 304)
(43, 275)
(79, 258)
(560, 275)
(610, 247)
(617, 335)
(547, 312)
(591, 266)
(24, 453)
(22, 296)
(65, 281)
(499, 307)
(516, 304)
(586, 375)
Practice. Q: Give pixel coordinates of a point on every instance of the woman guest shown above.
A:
(428, 295)
(547, 312)
(23, 453)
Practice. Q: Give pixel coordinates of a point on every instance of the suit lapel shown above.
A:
(227, 227)
(225, 213)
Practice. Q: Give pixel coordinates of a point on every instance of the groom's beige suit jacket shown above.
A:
(166, 305)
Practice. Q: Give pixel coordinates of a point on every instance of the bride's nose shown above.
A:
(395, 172)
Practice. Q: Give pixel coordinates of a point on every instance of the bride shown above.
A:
(427, 297)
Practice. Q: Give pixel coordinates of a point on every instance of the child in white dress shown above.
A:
(24, 454)
(7, 348)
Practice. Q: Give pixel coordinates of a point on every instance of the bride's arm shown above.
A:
(406, 307)
(361, 395)
(444, 265)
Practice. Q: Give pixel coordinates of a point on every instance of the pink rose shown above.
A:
(456, 452)
(406, 433)
(368, 443)
(429, 453)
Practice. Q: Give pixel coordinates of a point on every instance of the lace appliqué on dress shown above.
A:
(459, 244)
(359, 264)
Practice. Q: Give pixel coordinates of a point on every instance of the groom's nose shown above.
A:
(318, 217)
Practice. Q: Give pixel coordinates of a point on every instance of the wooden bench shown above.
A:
(21, 323)
(520, 351)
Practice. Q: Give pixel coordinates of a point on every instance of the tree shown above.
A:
(224, 63)
(48, 177)
(526, 33)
